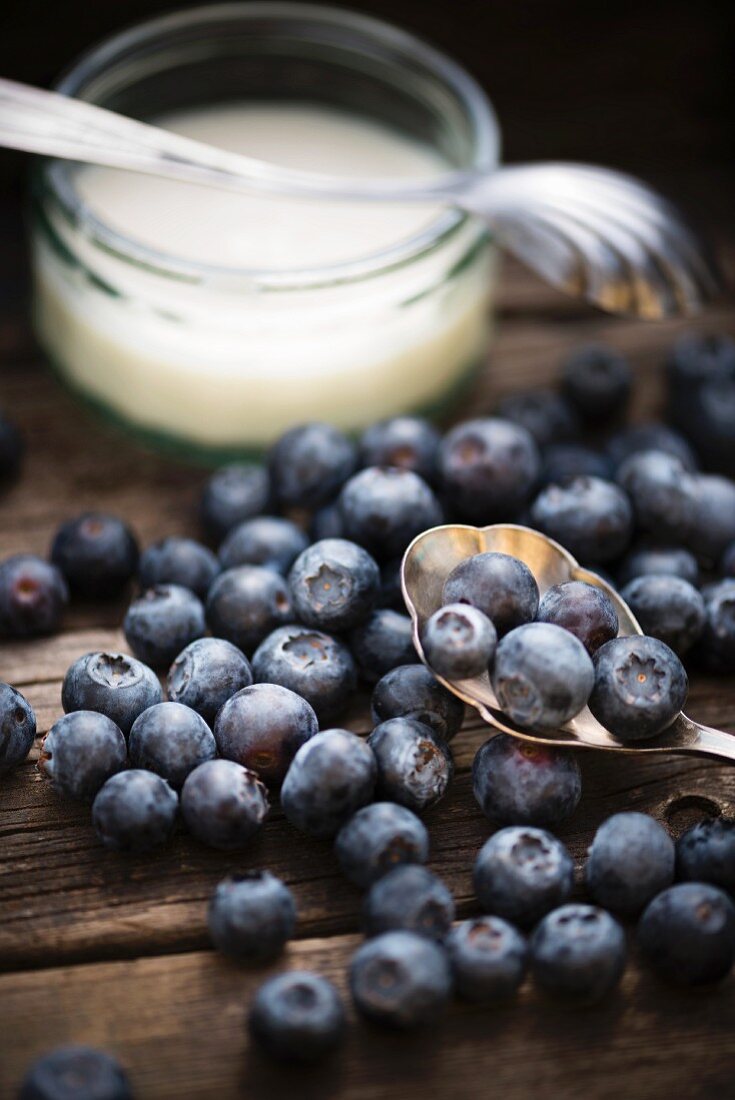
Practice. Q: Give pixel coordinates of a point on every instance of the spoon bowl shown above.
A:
(428, 562)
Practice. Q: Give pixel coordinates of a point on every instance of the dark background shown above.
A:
(640, 84)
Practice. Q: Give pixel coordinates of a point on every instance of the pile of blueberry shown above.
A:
(555, 655)
(260, 646)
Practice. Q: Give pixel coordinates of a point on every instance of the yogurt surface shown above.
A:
(259, 232)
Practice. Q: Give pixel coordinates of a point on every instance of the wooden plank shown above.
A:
(178, 1025)
(47, 659)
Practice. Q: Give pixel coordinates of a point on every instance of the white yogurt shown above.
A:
(222, 362)
(253, 231)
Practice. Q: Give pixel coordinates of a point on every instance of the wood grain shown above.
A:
(178, 1024)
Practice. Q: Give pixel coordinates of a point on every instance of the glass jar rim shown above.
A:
(55, 177)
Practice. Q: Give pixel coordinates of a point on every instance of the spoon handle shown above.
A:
(34, 120)
(705, 740)
(37, 121)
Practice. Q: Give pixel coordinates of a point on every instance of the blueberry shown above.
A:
(488, 469)
(326, 523)
(80, 753)
(334, 585)
(112, 684)
(11, 450)
(489, 958)
(697, 358)
(331, 776)
(727, 562)
(400, 980)
(223, 804)
(710, 424)
(134, 811)
(377, 838)
(408, 898)
(542, 676)
(414, 765)
(251, 916)
(543, 413)
(716, 647)
(661, 492)
(578, 953)
(640, 687)
(178, 561)
(315, 665)
(383, 642)
(384, 508)
(713, 524)
(459, 642)
(161, 622)
(497, 584)
(246, 603)
(410, 691)
(75, 1073)
(262, 727)
(206, 674)
(585, 610)
(650, 436)
(706, 853)
(687, 934)
(269, 541)
(701, 371)
(297, 1016)
(17, 728)
(597, 381)
(391, 593)
(309, 464)
(516, 783)
(673, 561)
(630, 861)
(563, 461)
(33, 595)
(408, 442)
(667, 608)
(592, 518)
(233, 494)
(97, 553)
(170, 740)
(522, 873)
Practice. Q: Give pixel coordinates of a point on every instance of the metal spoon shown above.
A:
(595, 233)
(428, 562)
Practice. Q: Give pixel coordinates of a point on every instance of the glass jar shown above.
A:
(217, 360)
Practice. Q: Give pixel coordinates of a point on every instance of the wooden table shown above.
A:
(112, 950)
